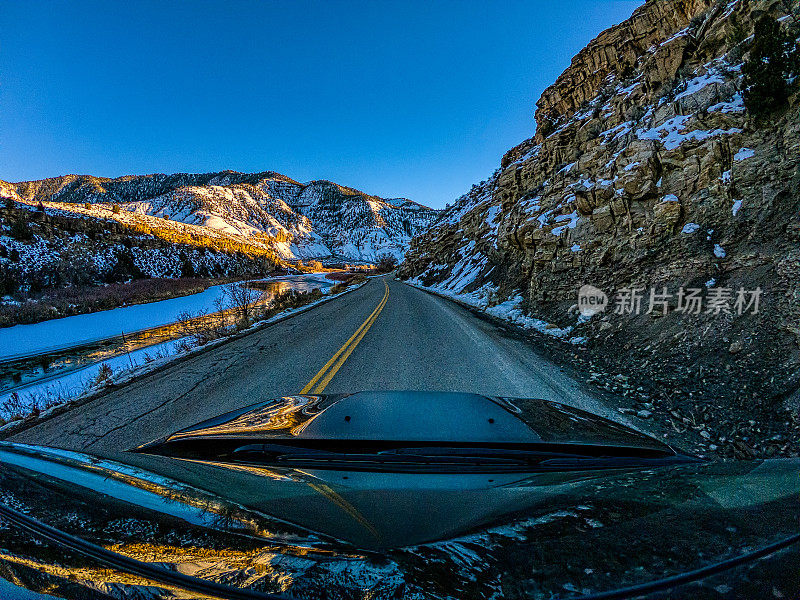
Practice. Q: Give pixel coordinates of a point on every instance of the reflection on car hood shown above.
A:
(332, 532)
(415, 432)
(417, 416)
(392, 534)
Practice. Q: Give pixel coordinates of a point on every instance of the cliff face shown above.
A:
(616, 51)
(646, 171)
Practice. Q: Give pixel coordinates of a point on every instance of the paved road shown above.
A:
(399, 338)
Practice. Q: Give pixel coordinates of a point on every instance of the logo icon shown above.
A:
(591, 300)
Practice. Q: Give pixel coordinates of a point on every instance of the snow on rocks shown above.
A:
(680, 34)
(673, 132)
(693, 86)
(735, 105)
(572, 222)
(690, 228)
(297, 221)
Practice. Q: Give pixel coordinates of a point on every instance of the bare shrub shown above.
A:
(386, 262)
(34, 406)
(21, 231)
(103, 374)
(157, 354)
(241, 299)
(190, 324)
(183, 345)
(13, 406)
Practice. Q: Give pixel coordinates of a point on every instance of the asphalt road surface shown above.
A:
(384, 336)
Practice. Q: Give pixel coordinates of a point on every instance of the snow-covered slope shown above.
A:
(312, 220)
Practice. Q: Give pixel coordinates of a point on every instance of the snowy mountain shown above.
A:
(312, 220)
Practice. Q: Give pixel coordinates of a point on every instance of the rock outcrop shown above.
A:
(647, 172)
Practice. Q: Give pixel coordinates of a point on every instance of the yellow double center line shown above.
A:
(327, 372)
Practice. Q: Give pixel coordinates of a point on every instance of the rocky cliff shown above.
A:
(646, 172)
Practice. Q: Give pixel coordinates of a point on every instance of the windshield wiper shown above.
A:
(415, 456)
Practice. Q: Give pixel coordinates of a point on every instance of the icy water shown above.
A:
(67, 353)
(22, 341)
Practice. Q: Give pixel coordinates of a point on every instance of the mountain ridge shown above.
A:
(344, 221)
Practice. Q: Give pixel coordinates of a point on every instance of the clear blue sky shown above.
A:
(404, 98)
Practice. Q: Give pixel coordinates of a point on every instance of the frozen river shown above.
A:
(23, 341)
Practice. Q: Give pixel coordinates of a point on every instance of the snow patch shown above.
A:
(672, 133)
(735, 105)
(572, 219)
(698, 83)
(509, 310)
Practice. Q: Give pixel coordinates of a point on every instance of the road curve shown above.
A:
(416, 341)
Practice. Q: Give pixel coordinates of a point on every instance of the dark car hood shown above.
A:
(416, 416)
(413, 432)
(392, 495)
(390, 535)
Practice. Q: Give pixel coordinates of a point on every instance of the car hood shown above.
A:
(392, 534)
(414, 432)
(169, 523)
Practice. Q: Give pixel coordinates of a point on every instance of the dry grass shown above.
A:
(355, 279)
